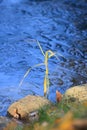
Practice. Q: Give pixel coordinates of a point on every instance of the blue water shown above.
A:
(60, 26)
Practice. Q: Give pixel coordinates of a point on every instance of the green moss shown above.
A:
(51, 113)
(44, 114)
(19, 128)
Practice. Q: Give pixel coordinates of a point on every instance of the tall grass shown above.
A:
(47, 55)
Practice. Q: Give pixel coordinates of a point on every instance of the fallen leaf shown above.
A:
(58, 96)
(80, 124)
(66, 122)
(85, 103)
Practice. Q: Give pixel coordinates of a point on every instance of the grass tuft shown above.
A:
(47, 55)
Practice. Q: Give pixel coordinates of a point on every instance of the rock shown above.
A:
(3, 122)
(77, 93)
(27, 108)
(9, 124)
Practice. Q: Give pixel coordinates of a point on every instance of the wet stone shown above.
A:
(76, 93)
(3, 122)
(27, 108)
(7, 123)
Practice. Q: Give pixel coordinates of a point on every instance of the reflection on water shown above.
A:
(60, 27)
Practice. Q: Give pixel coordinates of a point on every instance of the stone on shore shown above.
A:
(3, 122)
(77, 93)
(27, 108)
(9, 124)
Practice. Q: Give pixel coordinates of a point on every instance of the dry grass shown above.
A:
(47, 55)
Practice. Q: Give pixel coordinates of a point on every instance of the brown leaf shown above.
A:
(85, 103)
(58, 96)
(80, 124)
(66, 122)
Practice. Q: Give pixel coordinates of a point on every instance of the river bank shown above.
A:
(69, 108)
(59, 26)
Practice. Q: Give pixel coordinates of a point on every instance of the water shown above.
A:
(60, 26)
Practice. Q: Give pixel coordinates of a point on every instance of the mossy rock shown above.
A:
(76, 93)
(27, 108)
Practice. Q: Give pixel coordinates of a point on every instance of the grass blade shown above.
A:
(28, 71)
(41, 48)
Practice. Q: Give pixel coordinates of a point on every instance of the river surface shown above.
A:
(60, 26)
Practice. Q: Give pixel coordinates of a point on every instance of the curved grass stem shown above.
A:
(28, 71)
